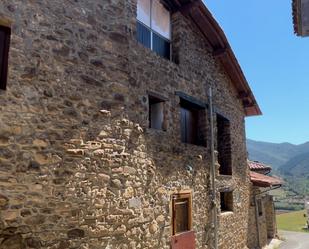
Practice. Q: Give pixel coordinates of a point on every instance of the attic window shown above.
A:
(226, 201)
(181, 213)
(224, 145)
(156, 113)
(5, 33)
(154, 26)
(193, 123)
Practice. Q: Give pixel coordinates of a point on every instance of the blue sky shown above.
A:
(275, 62)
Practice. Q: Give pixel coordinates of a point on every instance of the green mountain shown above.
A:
(296, 166)
(271, 153)
(275, 154)
(289, 160)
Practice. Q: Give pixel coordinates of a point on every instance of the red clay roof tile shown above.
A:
(256, 166)
(265, 181)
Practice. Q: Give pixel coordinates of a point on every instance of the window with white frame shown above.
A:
(154, 26)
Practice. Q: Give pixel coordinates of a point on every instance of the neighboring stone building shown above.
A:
(262, 207)
(307, 210)
(301, 17)
(105, 143)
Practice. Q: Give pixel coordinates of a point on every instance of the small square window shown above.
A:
(4, 54)
(224, 145)
(193, 123)
(226, 201)
(182, 213)
(156, 113)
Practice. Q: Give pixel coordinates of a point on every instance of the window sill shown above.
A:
(224, 177)
(195, 145)
(153, 130)
(153, 53)
(226, 213)
(185, 232)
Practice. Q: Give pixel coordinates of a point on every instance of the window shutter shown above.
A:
(182, 215)
(183, 125)
(191, 126)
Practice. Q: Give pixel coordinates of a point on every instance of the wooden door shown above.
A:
(183, 236)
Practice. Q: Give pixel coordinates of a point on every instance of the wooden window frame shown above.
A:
(177, 196)
(5, 58)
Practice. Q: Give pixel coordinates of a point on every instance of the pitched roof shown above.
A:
(221, 49)
(296, 16)
(264, 181)
(300, 13)
(258, 166)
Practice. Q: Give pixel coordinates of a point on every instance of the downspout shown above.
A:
(213, 172)
(257, 213)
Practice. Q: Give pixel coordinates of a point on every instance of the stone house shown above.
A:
(262, 214)
(307, 210)
(105, 138)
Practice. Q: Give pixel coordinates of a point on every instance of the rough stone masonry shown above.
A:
(79, 165)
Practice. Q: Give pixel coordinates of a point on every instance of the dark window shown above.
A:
(156, 113)
(260, 207)
(143, 35)
(4, 54)
(154, 26)
(161, 46)
(182, 213)
(224, 145)
(193, 123)
(226, 201)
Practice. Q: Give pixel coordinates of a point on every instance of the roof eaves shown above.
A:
(264, 181)
(256, 165)
(296, 8)
(201, 16)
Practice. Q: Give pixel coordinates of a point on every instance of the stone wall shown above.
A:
(79, 166)
(271, 218)
(258, 237)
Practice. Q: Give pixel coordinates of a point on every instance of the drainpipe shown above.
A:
(213, 172)
(257, 213)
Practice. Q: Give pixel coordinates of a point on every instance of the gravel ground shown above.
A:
(294, 240)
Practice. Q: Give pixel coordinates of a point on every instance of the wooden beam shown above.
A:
(186, 9)
(220, 52)
(243, 95)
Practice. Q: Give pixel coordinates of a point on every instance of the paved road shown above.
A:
(294, 240)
